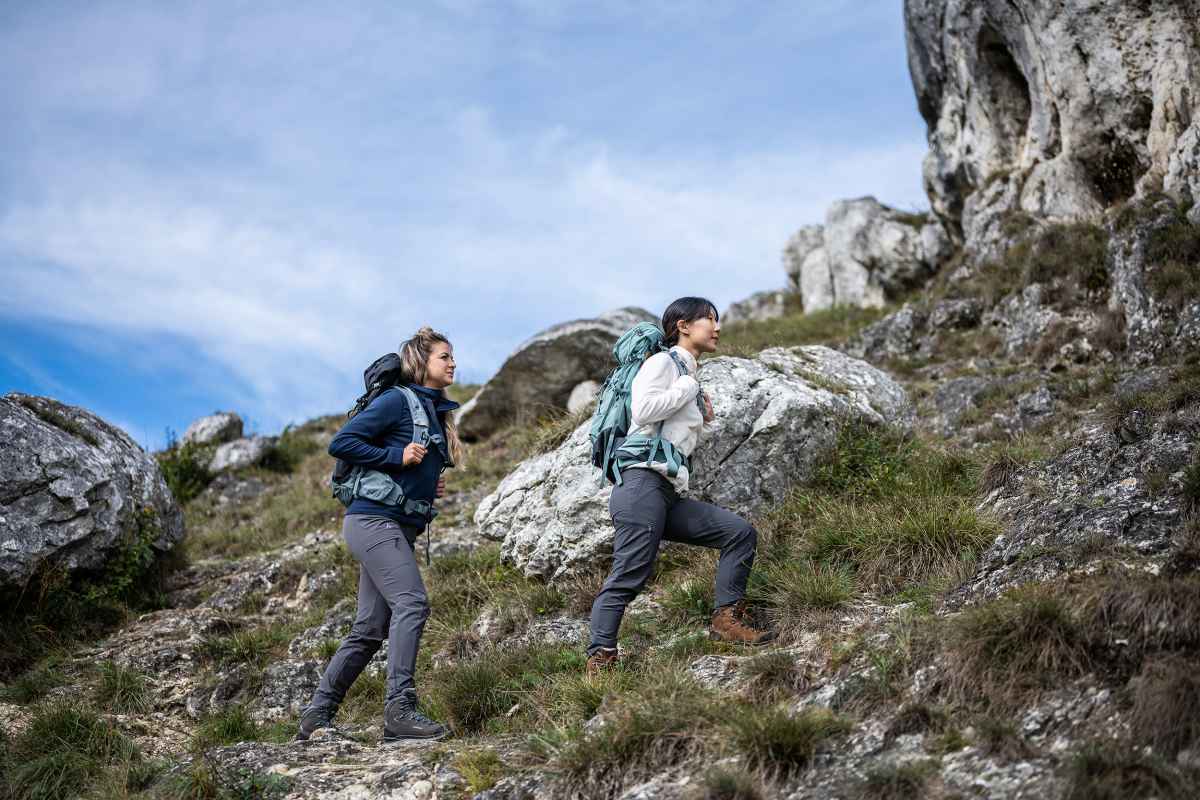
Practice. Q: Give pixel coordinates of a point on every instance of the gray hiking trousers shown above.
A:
(645, 510)
(392, 605)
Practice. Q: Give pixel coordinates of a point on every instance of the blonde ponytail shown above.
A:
(414, 355)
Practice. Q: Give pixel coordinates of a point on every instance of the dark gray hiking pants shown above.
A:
(391, 605)
(645, 510)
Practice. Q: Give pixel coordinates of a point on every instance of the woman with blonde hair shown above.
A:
(390, 501)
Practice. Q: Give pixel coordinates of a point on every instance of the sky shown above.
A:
(240, 205)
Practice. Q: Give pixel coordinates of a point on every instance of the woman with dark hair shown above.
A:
(380, 533)
(647, 506)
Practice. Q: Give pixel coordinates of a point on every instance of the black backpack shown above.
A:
(383, 374)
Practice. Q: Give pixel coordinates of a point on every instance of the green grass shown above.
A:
(830, 327)
(1173, 260)
(723, 783)
(481, 769)
(1117, 771)
(781, 742)
(121, 690)
(64, 750)
(901, 782)
(233, 725)
(185, 468)
(772, 677)
(882, 513)
(1003, 651)
(35, 683)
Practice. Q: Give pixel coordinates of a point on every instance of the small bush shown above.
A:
(482, 769)
(1166, 704)
(1173, 255)
(1002, 651)
(289, 451)
(1113, 771)
(34, 684)
(902, 782)
(122, 690)
(774, 676)
(185, 468)
(1001, 737)
(775, 740)
(61, 752)
(229, 726)
(651, 730)
(719, 783)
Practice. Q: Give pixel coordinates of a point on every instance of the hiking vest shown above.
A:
(350, 482)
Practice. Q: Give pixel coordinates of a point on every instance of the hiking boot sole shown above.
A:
(391, 738)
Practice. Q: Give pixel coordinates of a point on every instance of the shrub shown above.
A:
(1114, 771)
(720, 783)
(34, 684)
(1166, 704)
(1004, 650)
(481, 769)
(899, 782)
(61, 751)
(1173, 255)
(661, 725)
(185, 468)
(289, 451)
(773, 676)
(775, 740)
(121, 690)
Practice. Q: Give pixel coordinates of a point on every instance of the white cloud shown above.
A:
(294, 210)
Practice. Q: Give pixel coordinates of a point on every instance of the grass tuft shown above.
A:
(778, 741)
(122, 690)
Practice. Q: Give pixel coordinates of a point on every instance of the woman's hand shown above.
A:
(413, 454)
(441, 488)
(709, 416)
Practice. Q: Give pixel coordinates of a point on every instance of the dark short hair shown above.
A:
(685, 309)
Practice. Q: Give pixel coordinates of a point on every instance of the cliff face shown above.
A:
(1058, 110)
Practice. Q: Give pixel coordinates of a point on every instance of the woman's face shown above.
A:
(704, 333)
(439, 369)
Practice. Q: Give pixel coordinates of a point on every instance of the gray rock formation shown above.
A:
(541, 373)
(240, 453)
(865, 254)
(582, 396)
(757, 307)
(74, 490)
(776, 415)
(223, 426)
(1055, 109)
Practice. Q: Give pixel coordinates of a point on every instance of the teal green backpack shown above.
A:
(612, 447)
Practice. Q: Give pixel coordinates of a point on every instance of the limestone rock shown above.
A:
(218, 428)
(758, 307)
(241, 453)
(776, 415)
(544, 370)
(865, 254)
(582, 396)
(1055, 109)
(74, 489)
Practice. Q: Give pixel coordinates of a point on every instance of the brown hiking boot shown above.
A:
(603, 660)
(730, 624)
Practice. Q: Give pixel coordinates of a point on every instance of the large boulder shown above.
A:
(1058, 110)
(777, 415)
(543, 371)
(218, 428)
(73, 490)
(865, 254)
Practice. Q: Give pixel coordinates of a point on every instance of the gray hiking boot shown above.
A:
(401, 720)
(312, 718)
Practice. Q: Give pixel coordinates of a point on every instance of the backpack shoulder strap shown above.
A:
(420, 419)
(683, 370)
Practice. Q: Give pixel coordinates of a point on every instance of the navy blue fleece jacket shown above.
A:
(375, 438)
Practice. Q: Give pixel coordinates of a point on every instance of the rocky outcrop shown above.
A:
(1059, 110)
(776, 415)
(865, 254)
(218, 428)
(74, 490)
(240, 453)
(542, 372)
(758, 307)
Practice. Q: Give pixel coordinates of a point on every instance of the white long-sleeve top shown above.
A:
(660, 394)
